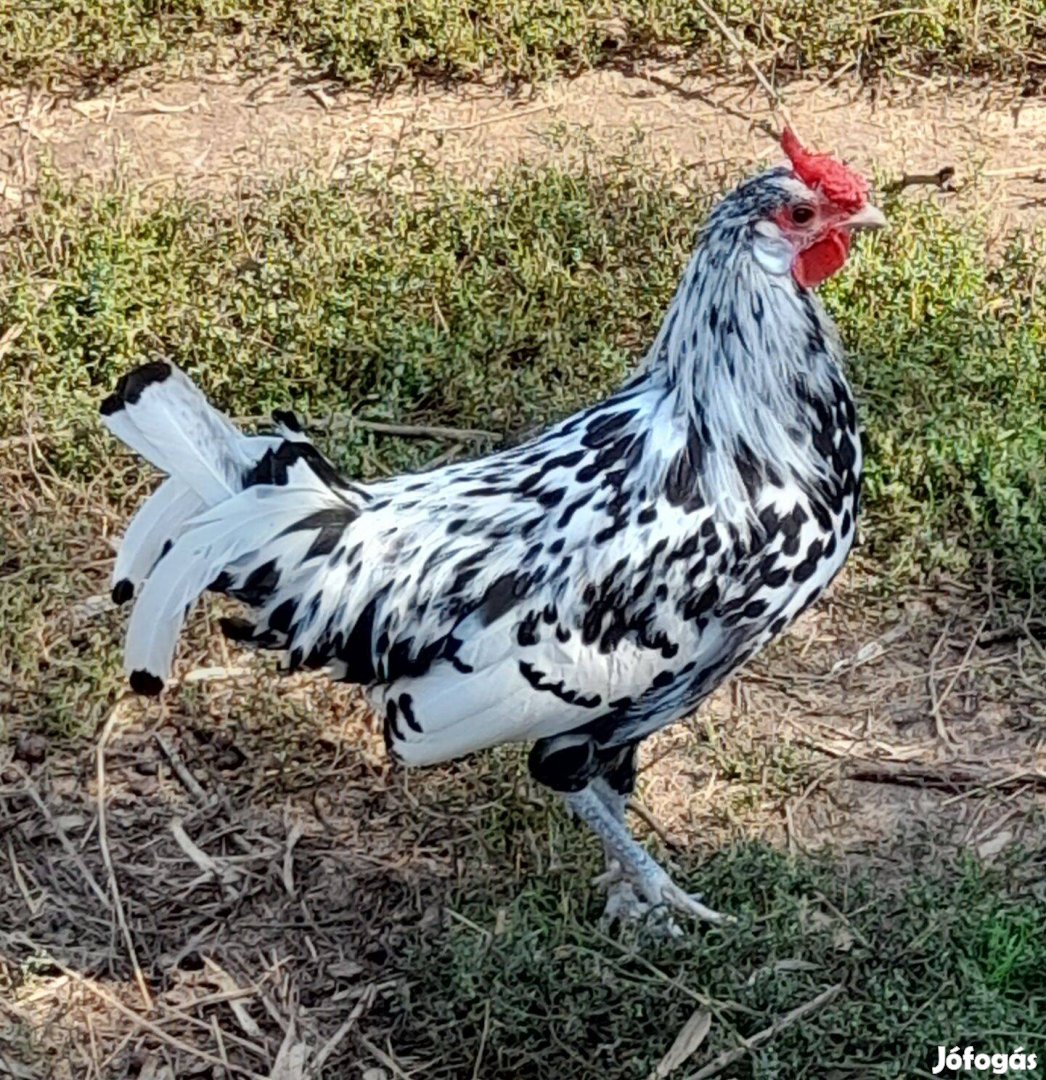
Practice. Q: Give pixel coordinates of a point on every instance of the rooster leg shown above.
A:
(644, 874)
(623, 903)
(614, 786)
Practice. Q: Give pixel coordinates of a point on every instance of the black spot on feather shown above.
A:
(700, 605)
(563, 764)
(221, 583)
(143, 682)
(274, 465)
(602, 429)
(568, 513)
(356, 650)
(682, 484)
(499, 598)
(527, 633)
(131, 386)
(407, 708)
(561, 461)
(287, 419)
(259, 585)
(282, 616)
(749, 468)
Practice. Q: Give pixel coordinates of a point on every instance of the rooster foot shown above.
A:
(638, 886)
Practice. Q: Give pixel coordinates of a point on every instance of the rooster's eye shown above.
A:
(802, 214)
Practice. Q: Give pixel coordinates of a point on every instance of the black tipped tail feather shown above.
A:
(237, 514)
(130, 387)
(142, 682)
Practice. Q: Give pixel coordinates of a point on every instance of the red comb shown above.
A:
(842, 185)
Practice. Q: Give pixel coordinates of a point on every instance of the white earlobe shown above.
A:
(772, 251)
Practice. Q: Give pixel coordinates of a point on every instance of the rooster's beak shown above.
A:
(868, 217)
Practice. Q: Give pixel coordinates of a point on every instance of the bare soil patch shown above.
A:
(218, 132)
(914, 721)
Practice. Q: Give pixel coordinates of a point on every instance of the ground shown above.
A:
(234, 882)
(212, 133)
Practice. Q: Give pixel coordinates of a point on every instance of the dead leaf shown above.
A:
(228, 985)
(222, 871)
(344, 969)
(288, 857)
(990, 848)
(290, 1061)
(692, 1034)
(794, 965)
(70, 822)
(842, 939)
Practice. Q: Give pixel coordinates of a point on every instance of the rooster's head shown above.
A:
(801, 218)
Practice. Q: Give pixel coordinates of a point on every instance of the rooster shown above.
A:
(577, 592)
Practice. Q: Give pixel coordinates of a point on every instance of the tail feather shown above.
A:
(235, 539)
(159, 518)
(161, 414)
(238, 513)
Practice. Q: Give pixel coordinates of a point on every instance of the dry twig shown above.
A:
(941, 179)
(181, 770)
(107, 858)
(728, 1057)
(153, 1028)
(776, 101)
(64, 840)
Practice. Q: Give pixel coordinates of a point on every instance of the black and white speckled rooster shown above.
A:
(578, 592)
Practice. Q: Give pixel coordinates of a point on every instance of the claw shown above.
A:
(643, 884)
(624, 907)
(610, 876)
(691, 904)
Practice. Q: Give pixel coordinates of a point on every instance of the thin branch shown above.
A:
(64, 840)
(1036, 171)
(315, 1067)
(326, 423)
(652, 823)
(948, 778)
(148, 1025)
(383, 427)
(776, 101)
(181, 770)
(941, 179)
(728, 1057)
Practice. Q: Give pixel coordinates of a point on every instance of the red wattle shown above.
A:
(819, 261)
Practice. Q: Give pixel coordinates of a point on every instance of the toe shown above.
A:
(691, 904)
(623, 905)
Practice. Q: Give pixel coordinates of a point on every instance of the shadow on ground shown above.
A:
(233, 882)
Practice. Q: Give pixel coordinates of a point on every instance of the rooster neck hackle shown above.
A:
(743, 351)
